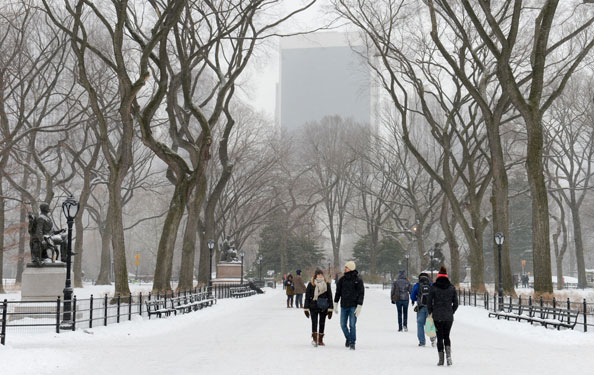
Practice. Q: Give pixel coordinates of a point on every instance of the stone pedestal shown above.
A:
(227, 273)
(46, 282)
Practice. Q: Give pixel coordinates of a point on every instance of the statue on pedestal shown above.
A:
(43, 238)
(228, 253)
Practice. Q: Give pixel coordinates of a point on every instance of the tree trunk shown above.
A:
(283, 244)
(104, 277)
(449, 231)
(22, 240)
(78, 247)
(163, 268)
(2, 208)
(117, 236)
(579, 245)
(186, 277)
(373, 238)
(541, 255)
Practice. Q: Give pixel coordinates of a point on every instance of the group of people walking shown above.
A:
(435, 303)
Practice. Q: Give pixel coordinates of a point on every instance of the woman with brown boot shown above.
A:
(318, 305)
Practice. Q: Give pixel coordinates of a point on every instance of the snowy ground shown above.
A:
(258, 335)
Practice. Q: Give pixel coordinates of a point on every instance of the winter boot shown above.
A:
(314, 337)
(352, 346)
(347, 343)
(448, 350)
(440, 363)
(321, 339)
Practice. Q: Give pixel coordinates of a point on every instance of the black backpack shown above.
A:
(423, 293)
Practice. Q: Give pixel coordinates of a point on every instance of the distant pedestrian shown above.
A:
(442, 304)
(420, 295)
(290, 288)
(350, 292)
(299, 290)
(399, 295)
(318, 305)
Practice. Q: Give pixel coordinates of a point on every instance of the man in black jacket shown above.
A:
(350, 291)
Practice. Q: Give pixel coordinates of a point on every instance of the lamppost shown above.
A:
(499, 238)
(260, 267)
(406, 256)
(211, 245)
(241, 254)
(70, 209)
(431, 253)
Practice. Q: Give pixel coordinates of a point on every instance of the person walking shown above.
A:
(290, 288)
(299, 290)
(350, 292)
(420, 295)
(399, 295)
(442, 304)
(318, 305)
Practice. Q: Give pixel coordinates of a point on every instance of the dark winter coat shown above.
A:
(442, 301)
(309, 295)
(350, 290)
(400, 289)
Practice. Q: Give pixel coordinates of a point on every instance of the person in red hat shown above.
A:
(442, 304)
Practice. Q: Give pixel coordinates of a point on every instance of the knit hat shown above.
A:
(443, 272)
(351, 265)
(318, 272)
(298, 272)
(401, 273)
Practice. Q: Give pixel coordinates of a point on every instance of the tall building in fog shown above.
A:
(322, 74)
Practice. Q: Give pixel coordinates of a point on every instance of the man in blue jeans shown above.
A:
(419, 294)
(350, 292)
(399, 296)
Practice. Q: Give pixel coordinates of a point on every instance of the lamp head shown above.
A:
(70, 208)
(499, 238)
(211, 244)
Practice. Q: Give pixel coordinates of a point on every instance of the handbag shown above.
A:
(323, 303)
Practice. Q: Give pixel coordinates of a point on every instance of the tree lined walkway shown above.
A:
(258, 335)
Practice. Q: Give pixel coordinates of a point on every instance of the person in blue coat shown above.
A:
(420, 295)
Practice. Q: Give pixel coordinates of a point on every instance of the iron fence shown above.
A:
(490, 302)
(46, 315)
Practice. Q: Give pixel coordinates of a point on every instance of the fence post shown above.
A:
(105, 310)
(58, 315)
(91, 312)
(140, 303)
(118, 313)
(554, 306)
(585, 316)
(74, 313)
(3, 331)
(475, 298)
(130, 307)
(568, 304)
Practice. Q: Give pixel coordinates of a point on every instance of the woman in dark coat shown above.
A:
(318, 305)
(290, 288)
(442, 304)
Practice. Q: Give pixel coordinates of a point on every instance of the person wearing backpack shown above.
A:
(420, 295)
(443, 303)
(399, 295)
(318, 305)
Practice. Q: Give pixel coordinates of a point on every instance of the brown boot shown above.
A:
(320, 339)
(314, 336)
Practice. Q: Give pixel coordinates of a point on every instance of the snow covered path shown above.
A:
(258, 335)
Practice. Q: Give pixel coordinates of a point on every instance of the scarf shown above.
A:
(320, 288)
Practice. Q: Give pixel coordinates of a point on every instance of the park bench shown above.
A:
(545, 315)
(158, 307)
(241, 291)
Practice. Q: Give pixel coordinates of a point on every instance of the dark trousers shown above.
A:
(290, 301)
(443, 329)
(298, 300)
(402, 307)
(315, 315)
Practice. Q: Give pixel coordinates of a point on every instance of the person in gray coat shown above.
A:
(443, 303)
(399, 296)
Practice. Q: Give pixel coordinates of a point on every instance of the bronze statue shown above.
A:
(40, 228)
(228, 253)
